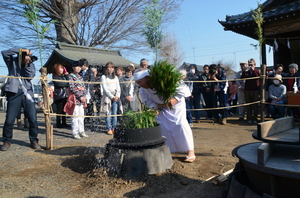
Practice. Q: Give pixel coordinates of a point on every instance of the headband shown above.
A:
(140, 74)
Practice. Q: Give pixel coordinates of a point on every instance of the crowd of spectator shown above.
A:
(215, 91)
(211, 92)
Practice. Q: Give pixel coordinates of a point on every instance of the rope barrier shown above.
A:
(85, 82)
(44, 78)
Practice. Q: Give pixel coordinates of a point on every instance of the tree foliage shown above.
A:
(31, 13)
(114, 24)
(153, 29)
(259, 20)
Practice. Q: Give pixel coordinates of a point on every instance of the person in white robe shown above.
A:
(173, 122)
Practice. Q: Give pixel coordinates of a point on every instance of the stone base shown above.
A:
(134, 163)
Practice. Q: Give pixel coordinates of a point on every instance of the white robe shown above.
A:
(173, 123)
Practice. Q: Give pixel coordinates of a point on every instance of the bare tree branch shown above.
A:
(170, 49)
(113, 24)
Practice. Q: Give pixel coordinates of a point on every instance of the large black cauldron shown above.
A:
(138, 137)
(135, 152)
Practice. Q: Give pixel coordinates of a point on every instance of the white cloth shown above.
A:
(78, 122)
(226, 87)
(173, 123)
(28, 96)
(88, 96)
(295, 86)
(140, 74)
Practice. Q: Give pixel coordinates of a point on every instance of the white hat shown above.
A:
(139, 74)
(278, 77)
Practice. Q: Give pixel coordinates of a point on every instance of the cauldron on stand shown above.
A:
(135, 152)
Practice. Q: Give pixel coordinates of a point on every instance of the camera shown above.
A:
(212, 71)
(33, 58)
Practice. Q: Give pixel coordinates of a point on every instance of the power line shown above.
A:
(214, 54)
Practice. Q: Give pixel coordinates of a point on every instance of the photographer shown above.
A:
(217, 93)
(251, 90)
(19, 92)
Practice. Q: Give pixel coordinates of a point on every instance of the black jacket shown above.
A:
(60, 84)
(196, 85)
(89, 77)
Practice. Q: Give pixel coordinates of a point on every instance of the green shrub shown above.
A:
(140, 119)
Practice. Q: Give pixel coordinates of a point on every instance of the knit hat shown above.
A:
(294, 65)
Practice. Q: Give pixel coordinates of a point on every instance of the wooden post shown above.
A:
(262, 92)
(263, 68)
(45, 92)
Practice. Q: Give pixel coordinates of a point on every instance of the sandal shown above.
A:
(110, 132)
(190, 159)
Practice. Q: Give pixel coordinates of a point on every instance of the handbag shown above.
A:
(60, 93)
(70, 104)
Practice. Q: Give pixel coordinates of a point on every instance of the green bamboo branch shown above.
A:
(153, 30)
(259, 20)
(31, 13)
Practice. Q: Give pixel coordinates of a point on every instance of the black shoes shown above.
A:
(35, 146)
(62, 126)
(5, 146)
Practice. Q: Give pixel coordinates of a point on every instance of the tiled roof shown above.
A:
(269, 11)
(66, 54)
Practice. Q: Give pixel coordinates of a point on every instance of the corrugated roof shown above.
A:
(66, 54)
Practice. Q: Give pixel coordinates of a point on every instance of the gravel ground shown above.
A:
(71, 169)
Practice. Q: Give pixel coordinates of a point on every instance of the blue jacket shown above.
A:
(11, 60)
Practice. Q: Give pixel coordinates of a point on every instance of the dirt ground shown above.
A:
(70, 169)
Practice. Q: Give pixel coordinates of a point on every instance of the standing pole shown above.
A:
(263, 68)
(46, 101)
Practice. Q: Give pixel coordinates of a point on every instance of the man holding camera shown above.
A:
(217, 77)
(251, 91)
(19, 92)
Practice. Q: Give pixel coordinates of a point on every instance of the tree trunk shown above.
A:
(67, 21)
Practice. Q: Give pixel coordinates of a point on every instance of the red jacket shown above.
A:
(252, 84)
